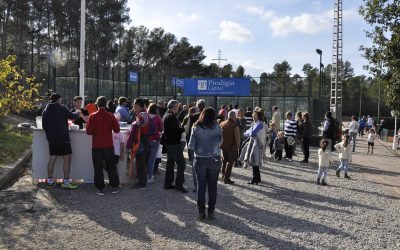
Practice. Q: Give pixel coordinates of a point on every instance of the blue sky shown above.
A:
(257, 34)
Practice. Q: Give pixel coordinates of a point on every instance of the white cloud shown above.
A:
(231, 31)
(190, 17)
(304, 23)
(260, 11)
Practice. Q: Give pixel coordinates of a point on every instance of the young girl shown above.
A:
(325, 160)
(345, 156)
(371, 140)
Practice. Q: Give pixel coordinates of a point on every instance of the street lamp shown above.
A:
(32, 32)
(319, 52)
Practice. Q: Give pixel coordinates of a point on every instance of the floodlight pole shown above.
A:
(82, 52)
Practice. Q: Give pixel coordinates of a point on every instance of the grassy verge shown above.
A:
(12, 144)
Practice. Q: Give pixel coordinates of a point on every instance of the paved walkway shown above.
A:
(288, 211)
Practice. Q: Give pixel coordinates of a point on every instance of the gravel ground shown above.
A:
(288, 211)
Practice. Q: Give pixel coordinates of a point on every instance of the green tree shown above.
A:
(17, 91)
(227, 71)
(239, 71)
(384, 54)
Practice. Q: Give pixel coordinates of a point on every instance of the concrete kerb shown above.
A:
(14, 171)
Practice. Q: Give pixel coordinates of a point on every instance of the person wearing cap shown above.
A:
(172, 135)
(100, 125)
(55, 124)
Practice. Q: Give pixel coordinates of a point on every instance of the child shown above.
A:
(371, 140)
(345, 156)
(272, 133)
(278, 145)
(325, 160)
(118, 142)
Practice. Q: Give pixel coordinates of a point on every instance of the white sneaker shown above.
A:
(100, 193)
(150, 180)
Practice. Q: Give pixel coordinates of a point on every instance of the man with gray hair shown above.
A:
(200, 106)
(230, 145)
(172, 138)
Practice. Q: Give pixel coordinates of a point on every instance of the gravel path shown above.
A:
(288, 211)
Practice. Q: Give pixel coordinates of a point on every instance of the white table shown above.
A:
(81, 163)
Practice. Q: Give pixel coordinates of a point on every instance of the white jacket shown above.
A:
(325, 158)
(344, 152)
(353, 127)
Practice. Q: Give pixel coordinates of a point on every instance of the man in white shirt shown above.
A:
(276, 118)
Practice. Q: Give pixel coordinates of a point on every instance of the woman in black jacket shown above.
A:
(306, 136)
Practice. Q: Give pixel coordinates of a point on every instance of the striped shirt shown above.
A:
(249, 119)
(290, 128)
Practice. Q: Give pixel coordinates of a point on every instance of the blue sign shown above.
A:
(216, 87)
(179, 83)
(133, 76)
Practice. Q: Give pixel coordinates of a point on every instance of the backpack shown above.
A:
(152, 127)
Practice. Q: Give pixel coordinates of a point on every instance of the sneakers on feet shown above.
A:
(346, 176)
(139, 186)
(69, 186)
(181, 189)
(115, 191)
(151, 180)
(100, 192)
(201, 217)
(51, 185)
(323, 183)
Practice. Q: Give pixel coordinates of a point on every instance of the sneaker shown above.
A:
(228, 181)
(182, 190)
(151, 180)
(100, 192)
(201, 217)
(323, 183)
(169, 187)
(211, 217)
(115, 191)
(69, 186)
(139, 186)
(51, 185)
(346, 176)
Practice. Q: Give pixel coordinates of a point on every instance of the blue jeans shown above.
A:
(207, 172)
(344, 165)
(191, 159)
(322, 172)
(353, 137)
(153, 148)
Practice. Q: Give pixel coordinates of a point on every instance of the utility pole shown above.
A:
(82, 52)
(219, 59)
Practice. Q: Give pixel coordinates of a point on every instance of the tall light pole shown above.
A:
(82, 52)
(32, 32)
(319, 52)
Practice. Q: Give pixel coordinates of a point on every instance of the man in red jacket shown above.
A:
(100, 125)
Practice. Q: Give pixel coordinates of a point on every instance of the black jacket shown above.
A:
(172, 131)
(55, 122)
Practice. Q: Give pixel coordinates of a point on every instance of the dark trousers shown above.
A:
(271, 147)
(175, 155)
(99, 157)
(141, 161)
(228, 158)
(207, 171)
(278, 154)
(288, 149)
(156, 164)
(256, 174)
(306, 146)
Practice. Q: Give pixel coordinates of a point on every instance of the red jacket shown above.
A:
(101, 124)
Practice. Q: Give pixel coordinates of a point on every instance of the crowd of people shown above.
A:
(216, 142)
